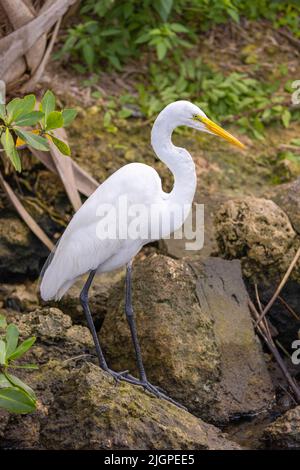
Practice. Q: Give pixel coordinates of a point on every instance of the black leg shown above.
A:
(157, 391)
(84, 299)
(131, 322)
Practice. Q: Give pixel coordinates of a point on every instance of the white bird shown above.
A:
(83, 248)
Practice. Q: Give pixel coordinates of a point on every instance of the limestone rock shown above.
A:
(257, 232)
(20, 297)
(284, 433)
(84, 408)
(196, 336)
(20, 251)
(4, 418)
(57, 337)
(245, 387)
(90, 411)
(287, 197)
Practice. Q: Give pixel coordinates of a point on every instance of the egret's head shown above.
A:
(184, 113)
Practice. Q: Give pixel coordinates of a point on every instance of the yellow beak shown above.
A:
(217, 130)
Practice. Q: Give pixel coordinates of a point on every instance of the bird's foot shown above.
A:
(159, 393)
(118, 375)
(153, 389)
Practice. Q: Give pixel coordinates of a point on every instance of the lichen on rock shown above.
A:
(196, 336)
(284, 433)
(257, 232)
(91, 411)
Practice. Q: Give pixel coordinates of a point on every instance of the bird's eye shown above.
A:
(196, 117)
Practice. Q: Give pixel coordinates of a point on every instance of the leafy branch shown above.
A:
(15, 395)
(21, 124)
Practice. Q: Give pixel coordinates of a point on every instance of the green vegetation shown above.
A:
(163, 36)
(15, 395)
(20, 114)
(117, 31)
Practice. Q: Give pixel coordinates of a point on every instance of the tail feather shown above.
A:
(54, 278)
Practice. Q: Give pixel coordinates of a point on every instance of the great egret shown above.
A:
(81, 249)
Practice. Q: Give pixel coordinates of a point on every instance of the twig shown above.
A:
(261, 310)
(20, 41)
(288, 393)
(25, 215)
(28, 86)
(282, 348)
(289, 308)
(296, 148)
(280, 286)
(272, 347)
(290, 38)
(76, 357)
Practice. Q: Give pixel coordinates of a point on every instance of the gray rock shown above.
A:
(90, 411)
(85, 409)
(57, 337)
(257, 232)
(20, 297)
(20, 251)
(287, 197)
(284, 433)
(82, 407)
(196, 336)
(245, 387)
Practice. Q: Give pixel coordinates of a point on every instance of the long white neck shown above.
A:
(178, 160)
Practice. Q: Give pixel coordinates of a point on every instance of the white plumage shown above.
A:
(80, 250)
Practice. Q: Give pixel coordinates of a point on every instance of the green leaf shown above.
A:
(35, 141)
(88, 54)
(2, 112)
(62, 146)
(68, 116)
(4, 382)
(54, 120)
(114, 60)
(20, 106)
(12, 336)
(22, 348)
(9, 146)
(3, 323)
(48, 103)
(29, 119)
(286, 118)
(24, 366)
(161, 50)
(163, 8)
(234, 15)
(2, 352)
(179, 28)
(16, 401)
(16, 382)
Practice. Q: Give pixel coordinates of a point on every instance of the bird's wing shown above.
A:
(80, 249)
(75, 255)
